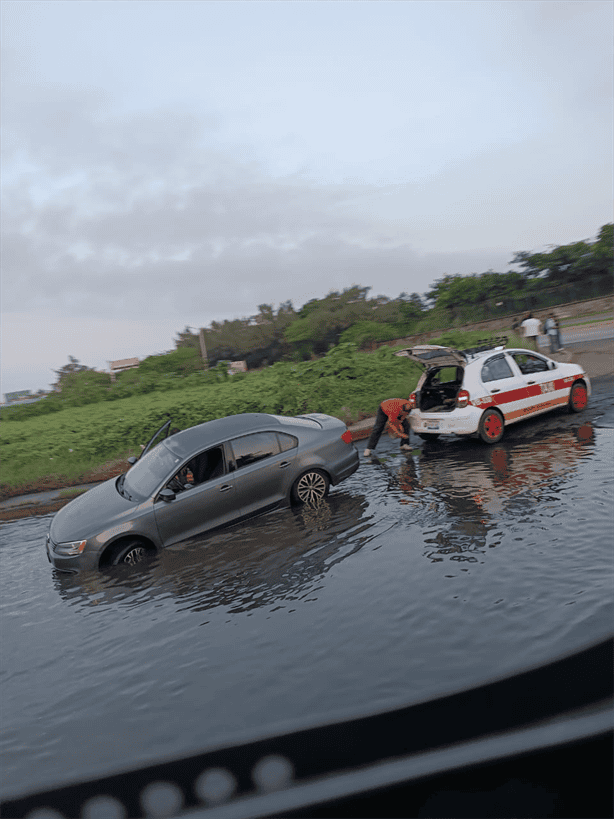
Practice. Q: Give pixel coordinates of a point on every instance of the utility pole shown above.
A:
(203, 348)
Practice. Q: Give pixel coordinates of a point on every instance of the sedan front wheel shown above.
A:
(132, 552)
(311, 487)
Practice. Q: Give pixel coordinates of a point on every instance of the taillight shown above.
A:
(347, 436)
(462, 399)
(412, 400)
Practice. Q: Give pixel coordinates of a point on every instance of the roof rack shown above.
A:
(485, 344)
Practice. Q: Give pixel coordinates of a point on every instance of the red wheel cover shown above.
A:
(493, 425)
(579, 396)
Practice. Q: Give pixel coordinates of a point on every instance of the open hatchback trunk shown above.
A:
(438, 388)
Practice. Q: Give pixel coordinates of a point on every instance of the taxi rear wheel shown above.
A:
(578, 397)
(491, 427)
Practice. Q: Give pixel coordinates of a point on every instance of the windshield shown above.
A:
(148, 472)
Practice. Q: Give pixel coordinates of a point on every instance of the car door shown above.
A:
(542, 393)
(504, 387)
(158, 436)
(208, 504)
(263, 469)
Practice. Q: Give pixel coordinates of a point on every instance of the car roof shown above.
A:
(220, 429)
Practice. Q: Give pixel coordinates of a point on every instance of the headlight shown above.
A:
(75, 547)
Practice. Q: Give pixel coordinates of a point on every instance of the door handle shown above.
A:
(226, 487)
(496, 390)
(284, 464)
(530, 382)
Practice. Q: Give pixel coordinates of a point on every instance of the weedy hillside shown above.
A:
(71, 442)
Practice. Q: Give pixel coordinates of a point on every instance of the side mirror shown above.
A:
(166, 495)
(132, 460)
(552, 365)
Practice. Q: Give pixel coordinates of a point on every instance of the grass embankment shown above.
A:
(91, 443)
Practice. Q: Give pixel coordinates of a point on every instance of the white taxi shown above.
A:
(484, 389)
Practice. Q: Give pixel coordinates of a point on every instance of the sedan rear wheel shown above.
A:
(311, 487)
(578, 397)
(131, 552)
(491, 427)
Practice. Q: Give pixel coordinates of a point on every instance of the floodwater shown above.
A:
(421, 575)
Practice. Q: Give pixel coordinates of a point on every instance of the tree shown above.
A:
(411, 307)
(66, 373)
(78, 385)
(573, 263)
(187, 339)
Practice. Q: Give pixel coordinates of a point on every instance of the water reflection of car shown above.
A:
(205, 477)
(470, 489)
(484, 389)
(263, 562)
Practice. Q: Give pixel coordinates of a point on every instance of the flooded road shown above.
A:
(421, 575)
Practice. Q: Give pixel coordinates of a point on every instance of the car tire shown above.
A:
(130, 552)
(311, 487)
(428, 436)
(578, 397)
(491, 427)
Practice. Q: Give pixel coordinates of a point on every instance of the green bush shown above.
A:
(364, 332)
(344, 383)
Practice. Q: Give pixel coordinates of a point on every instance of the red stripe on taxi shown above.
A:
(510, 395)
(530, 391)
(537, 407)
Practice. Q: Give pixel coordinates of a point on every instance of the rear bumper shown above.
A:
(457, 422)
(348, 467)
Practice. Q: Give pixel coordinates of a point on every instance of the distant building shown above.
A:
(121, 365)
(11, 397)
(14, 399)
(237, 367)
(234, 366)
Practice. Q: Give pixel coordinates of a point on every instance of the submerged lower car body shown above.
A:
(212, 475)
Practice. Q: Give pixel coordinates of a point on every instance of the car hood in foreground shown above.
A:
(85, 516)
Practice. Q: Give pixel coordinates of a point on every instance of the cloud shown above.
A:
(120, 214)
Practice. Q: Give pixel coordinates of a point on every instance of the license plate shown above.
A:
(431, 425)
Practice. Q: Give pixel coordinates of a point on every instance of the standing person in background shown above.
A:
(550, 326)
(532, 328)
(559, 340)
(393, 411)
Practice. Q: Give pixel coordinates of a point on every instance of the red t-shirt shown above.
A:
(393, 407)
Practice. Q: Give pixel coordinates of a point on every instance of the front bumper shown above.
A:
(463, 421)
(72, 564)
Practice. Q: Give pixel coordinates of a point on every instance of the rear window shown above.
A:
(447, 375)
(496, 368)
(287, 441)
(251, 448)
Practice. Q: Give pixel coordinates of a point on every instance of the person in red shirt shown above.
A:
(393, 411)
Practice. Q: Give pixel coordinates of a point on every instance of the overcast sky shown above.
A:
(172, 163)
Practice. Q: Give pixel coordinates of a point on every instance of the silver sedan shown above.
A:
(204, 477)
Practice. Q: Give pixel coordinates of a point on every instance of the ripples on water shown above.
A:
(419, 575)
